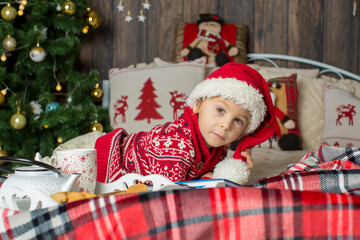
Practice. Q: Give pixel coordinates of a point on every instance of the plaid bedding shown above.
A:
(267, 211)
(220, 213)
(330, 169)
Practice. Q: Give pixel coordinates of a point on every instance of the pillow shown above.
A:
(286, 109)
(311, 109)
(341, 118)
(235, 34)
(141, 98)
(272, 72)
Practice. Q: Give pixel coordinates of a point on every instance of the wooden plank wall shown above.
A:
(321, 30)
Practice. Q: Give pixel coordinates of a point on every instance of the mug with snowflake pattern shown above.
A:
(78, 161)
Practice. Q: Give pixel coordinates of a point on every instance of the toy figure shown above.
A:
(209, 42)
(286, 131)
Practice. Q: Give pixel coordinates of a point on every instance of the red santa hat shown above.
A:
(245, 86)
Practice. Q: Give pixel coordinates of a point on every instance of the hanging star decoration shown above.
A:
(146, 5)
(120, 7)
(141, 17)
(128, 18)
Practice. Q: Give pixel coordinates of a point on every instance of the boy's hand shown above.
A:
(249, 160)
(207, 175)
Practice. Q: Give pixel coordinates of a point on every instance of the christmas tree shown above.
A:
(148, 104)
(45, 100)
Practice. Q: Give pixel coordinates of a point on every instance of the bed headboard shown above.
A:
(325, 68)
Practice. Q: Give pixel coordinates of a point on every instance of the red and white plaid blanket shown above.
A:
(330, 169)
(218, 213)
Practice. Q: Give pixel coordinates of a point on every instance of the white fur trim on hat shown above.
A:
(239, 91)
(234, 170)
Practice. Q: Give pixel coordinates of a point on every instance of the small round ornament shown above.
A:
(97, 93)
(3, 153)
(93, 19)
(96, 126)
(37, 54)
(9, 43)
(68, 8)
(58, 87)
(8, 13)
(3, 57)
(18, 121)
(59, 140)
(52, 106)
(2, 98)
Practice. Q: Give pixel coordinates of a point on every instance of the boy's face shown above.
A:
(221, 121)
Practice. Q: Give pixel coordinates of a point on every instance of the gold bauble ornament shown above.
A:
(96, 126)
(9, 43)
(8, 13)
(2, 98)
(3, 153)
(18, 121)
(85, 30)
(68, 8)
(97, 93)
(93, 19)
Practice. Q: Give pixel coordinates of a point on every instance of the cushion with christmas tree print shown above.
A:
(141, 98)
(341, 118)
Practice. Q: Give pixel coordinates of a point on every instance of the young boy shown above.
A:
(232, 103)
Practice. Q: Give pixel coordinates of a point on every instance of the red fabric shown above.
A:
(228, 32)
(175, 150)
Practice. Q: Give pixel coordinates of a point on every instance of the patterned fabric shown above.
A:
(330, 169)
(175, 150)
(220, 213)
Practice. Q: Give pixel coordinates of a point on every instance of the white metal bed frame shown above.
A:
(325, 68)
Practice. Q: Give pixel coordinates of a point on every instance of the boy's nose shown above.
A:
(226, 125)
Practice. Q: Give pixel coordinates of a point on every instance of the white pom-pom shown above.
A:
(232, 169)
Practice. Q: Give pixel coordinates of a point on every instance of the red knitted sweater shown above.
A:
(175, 150)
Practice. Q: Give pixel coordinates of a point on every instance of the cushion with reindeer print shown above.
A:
(341, 118)
(143, 97)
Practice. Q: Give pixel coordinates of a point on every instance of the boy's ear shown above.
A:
(196, 108)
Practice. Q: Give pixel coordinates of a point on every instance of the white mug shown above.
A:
(78, 161)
